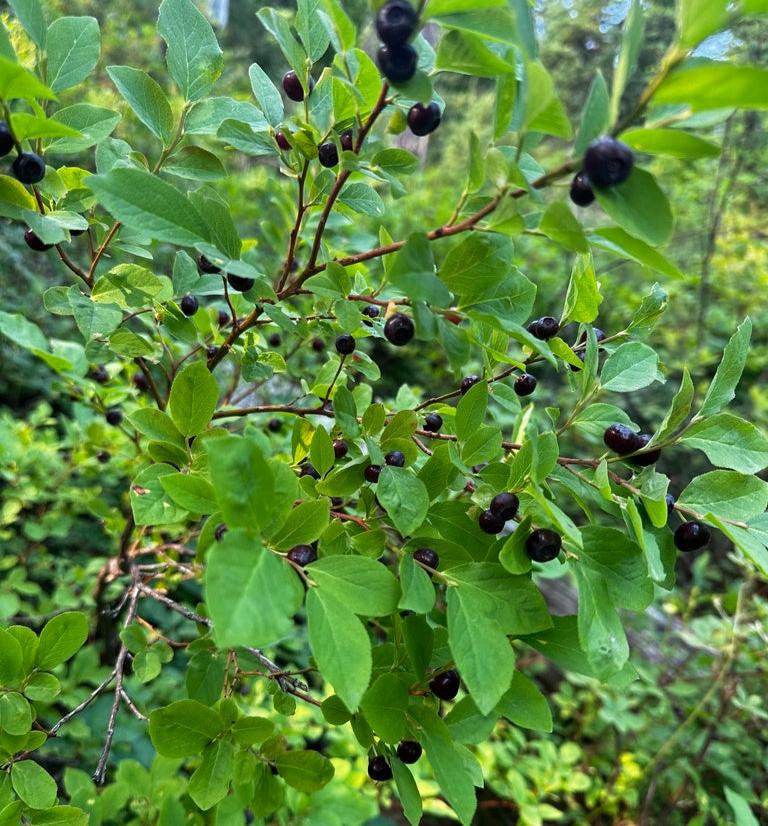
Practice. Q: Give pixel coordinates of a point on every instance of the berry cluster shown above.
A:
(607, 163)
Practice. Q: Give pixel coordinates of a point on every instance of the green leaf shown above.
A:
(524, 705)
(195, 164)
(729, 369)
(726, 494)
(61, 638)
(477, 264)
(311, 29)
(403, 496)
(269, 99)
(741, 808)
(340, 646)
(251, 594)
(278, 27)
(729, 442)
(33, 784)
(619, 564)
(559, 224)
(630, 367)
(673, 142)
(73, 48)
(131, 286)
(413, 271)
(632, 39)
(480, 649)
(639, 206)
(678, 410)
(305, 523)
(321, 451)
(210, 780)
(583, 299)
(18, 82)
(193, 493)
(149, 205)
(93, 318)
(149, 501)
(362, 585)
(418, 590)
(616, 240)
(147, 99)
(306, 771)
(184, 728)
(484, 445)
(468, 54)
(193, 398)
(59, 816)
(15, 713)
(248, 731)
(716, 85)
(31, 16)
(384, 706)
(193, 55)
(408, 792)
(595, 115)
(362, 198)
(470, 411)
(154, 424)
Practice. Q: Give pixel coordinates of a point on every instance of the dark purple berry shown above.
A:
(396, 22)
(221, 529)
(490, 523)
(302, 555)
(99, 373)
(328, 155)
(621, 439)
(103, 456)
(140, 381)
(211, 350)
(397, 63)
(239, 283)
(347, 141)
(206, 266)
(445, 685)
(293, 88)
(399, 329)
(6, 139)
(608, 162)
(395, 458)
(467, 383)
(34, 242)
(544, 328)
(274, 340)
(340, 448)
(409, 751)
(581, 190)
(114, 416)
(345, 344)
(282, 142)
(649, 457)
(28, 168)
(691, 536)
(433, 422)
(543, 545)
(372, 473)
(423, 120)
(670, 500)
(427, 557)
(372, 311)
(318, 345)
(525, 384)
(275, 425)
(379, 769)
(504, 505)
(222, 318)
(189, 305)
(308, 469)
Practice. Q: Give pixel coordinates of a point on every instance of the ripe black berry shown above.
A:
(599, 336)
(29, 168)
(221, 529)
(372, 311)
(302, 555)
(103, 456)
(433, 422)
(206, 266)
(427, 557)
(608, 162)
(395, 458)
(504, 505)
(345, 344)
(75, 232)
(648, 458)
(347, 140)
(467, 383)
(691, 536)
(372, 473)
(275, 425)
(379, 769)
(328, 154)
(670, 503)
(318, 345)
(222, 318)
(308, 469)
(423, 120)
(490, 523)
(6, 139)
(525, 384)
(445, 685)
(293, 88)
(189, 305)
(544, 328)
(581, 190)
(396, 22)
(340, 448)
(239, 283)
(399, 329)
(34, 242)
(211, 350)
(140, 381)
(397, 63)
(543, 545)
(620, 439)
(409, 751)
(114, 416)
(282, 142)
(274, 340)
(99, 373)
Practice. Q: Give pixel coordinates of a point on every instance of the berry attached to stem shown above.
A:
(581, 190)
(293, 88)
(328, 155)
(446, 685)
(345, 344)
(691, 536)
(427, 557)
(189, 305)
(302, 555)
(490, 523)
(433, 422)
(525, 384)
(543, 545)
(608, 162)
(423, 120)
(621, 439)
(396, 22)
(28, 168)
(409, 751)
(34, 242)
(399, 329)
(397, 63)
(379, 769)
(504, 506)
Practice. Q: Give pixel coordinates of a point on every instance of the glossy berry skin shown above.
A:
(504, 506)
(427, 557)
(345, 344)
(648, 458)
(372, 311)
(308, 469)
(399, 329)
(433, 422)
(446, 685)
(691, 536)
(490, 523)
(620, 439)
(293, 88)
(34, 242)
(99, 373)
(395, 458)
(282, 142)
(525, 384)
(347, 140)
(409, 751)
(397, 63)
(318, 345)
(6, 139)
(670, 503)
(544, 328)
(114, 416)
(467, 383)
(379, 769)
(274, 340)
(582, 193)
(423, 120)
(543, 545)
(274, 425)
(608, 162)
(103, 456)
(221, 529)
(239, 283)
(28, 168)
(372, 473)
(206, 266)
(328, 155)
(340, 448)
(189, 305)
(302, 555)
(396, 22)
